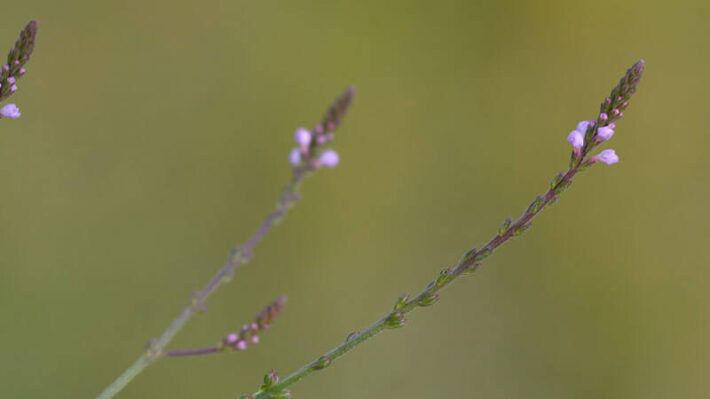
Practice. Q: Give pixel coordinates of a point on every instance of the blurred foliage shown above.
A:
(154, 136)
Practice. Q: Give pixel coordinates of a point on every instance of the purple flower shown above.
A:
(603, 116)
(605, 133)
(232, 338)
(294, 157)
(241, 345)
(576, 138)
(11, 79)
(254, 339)
(329, 159)
(13, 88)
(303, 137)
(609, 157)
(10, 111)
(582, 126)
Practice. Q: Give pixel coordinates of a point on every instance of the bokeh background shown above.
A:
(154, 136)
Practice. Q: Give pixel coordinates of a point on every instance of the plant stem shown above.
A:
(192, 352)
(610, 110)
(426, 297)
(238, 256)
(322, 134)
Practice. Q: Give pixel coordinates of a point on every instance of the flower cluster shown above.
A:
(589, 134)
(11, 72)
(603, 133)
(247, 335)
(309, 153)
(238, 341)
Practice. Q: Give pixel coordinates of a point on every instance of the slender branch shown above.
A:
(239, 341)
(193, 352)
(241, 254)
(594, 134)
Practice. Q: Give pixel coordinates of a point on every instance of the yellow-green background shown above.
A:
(154, 136)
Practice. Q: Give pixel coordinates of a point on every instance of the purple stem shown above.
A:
(192, 352)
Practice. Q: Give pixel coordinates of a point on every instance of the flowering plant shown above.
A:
(310, 154)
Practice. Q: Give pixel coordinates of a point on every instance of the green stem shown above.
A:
(610, 108)
(322, 134)
(428, 296)
(238, 256)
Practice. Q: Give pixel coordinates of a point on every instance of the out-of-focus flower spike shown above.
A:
(270, 312)
(16, 59)
(337, 111)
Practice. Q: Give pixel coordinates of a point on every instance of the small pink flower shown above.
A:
(254, 327)
(254, 339)
(329, 159)
(603, 116)
(232, 338)
(294, 157)
(605, 133)
(6, 67)
(609, 157)
(10, 111)
(11, 79)
(13, 88)
(303, 137)
(22, 71)
(576, 138)
(241, 345)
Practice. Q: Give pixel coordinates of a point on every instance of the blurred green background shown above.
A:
(154, 136)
